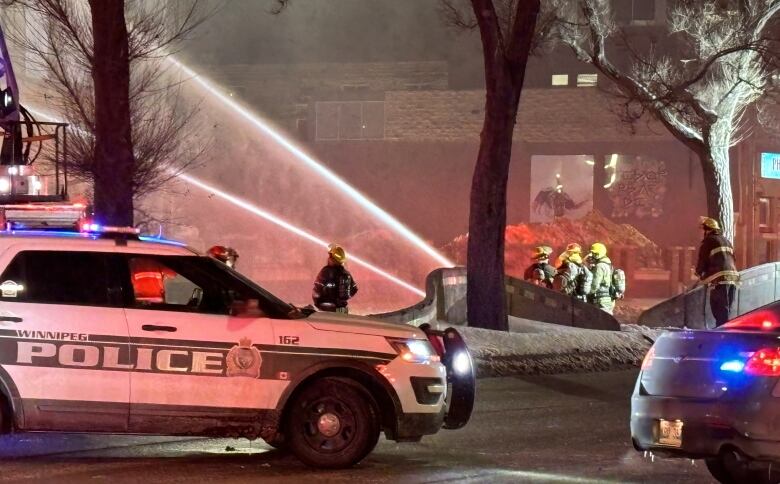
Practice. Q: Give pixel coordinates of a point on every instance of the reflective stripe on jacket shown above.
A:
(716, 262)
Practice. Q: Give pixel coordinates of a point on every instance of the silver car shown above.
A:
(715, 395)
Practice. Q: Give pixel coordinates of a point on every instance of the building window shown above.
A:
(587, 80)
(638, 12)
(764, 215)
(349, 120)
(560, 80)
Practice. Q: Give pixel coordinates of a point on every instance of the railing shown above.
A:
(759, 286)
(33, 161)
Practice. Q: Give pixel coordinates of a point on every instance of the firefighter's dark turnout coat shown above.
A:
(333, 288)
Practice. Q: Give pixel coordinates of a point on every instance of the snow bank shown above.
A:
(539, 348)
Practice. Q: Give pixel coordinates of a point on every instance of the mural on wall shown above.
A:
(561, 186)
(638, 187)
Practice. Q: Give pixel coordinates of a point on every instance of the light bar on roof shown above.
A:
(42, 216)
(93, 228)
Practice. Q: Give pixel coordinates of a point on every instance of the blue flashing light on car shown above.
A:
(160, 240)
(734, 366)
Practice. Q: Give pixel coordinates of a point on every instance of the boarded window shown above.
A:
(374, 120)
(587, 80)
(634, 11)
(327, 126)
(560, 80)
(350, 120)
(644, 10)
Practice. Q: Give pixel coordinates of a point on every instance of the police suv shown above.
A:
(117, 333)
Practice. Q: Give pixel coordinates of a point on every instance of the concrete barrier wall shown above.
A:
(445, 300)
(529, 301)
(759, 286)
(442, 287)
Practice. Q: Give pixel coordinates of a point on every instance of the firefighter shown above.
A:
(334, 285)
(572, 248)
(601, 293)
(717, 269)
(540, 272)
(573, 277)
(226, 255)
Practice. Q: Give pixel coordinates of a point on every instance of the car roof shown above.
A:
(77, 241)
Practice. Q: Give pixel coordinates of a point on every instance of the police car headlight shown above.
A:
(414, 350)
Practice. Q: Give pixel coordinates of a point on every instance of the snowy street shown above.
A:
(555, 428)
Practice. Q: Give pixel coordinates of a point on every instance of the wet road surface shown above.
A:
(561, 428)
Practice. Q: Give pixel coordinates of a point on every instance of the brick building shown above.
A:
(407, 133)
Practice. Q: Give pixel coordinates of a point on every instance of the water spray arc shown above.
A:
(276, 220)
(323, 171)
(249, 207)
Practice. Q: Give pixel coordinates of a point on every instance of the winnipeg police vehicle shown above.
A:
(115, 333)
(105, 331)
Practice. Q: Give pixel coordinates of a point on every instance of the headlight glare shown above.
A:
(414, 350)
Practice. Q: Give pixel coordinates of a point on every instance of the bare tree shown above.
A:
(104, 70)
(720, 61)
(507, 30)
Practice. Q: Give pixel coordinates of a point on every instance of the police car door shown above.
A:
(196, 367)
(63, 341)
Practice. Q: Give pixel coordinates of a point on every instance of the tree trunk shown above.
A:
(505, 57)
(114, 159)
(486, 293)
(717, 184)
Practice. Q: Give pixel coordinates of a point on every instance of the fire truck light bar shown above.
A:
(42, 215)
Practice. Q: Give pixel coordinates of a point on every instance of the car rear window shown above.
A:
(56, 277)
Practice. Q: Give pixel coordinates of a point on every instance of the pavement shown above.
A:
(555, 428)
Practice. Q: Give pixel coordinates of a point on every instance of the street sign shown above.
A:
(770, 165)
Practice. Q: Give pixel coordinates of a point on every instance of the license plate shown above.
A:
(670, 432)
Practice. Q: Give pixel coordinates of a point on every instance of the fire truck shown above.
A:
(33, 168)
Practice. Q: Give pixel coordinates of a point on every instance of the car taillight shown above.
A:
(764, 362)
(762, 320)
(648, 361)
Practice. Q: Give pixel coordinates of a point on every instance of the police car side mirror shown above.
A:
(249, 308)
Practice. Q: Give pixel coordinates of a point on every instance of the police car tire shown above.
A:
(358, 417)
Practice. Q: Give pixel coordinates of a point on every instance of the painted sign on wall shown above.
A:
(640, 187)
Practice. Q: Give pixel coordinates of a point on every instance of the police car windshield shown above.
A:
(268, 301)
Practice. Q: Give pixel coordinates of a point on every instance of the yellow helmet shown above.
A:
(709, 223)
(598, 250)
(337, 253)
(574, 257)
(541, 252)
(574, 248)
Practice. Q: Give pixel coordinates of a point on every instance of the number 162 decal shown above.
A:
(289, 340)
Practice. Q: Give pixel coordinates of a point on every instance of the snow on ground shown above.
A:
(533, 347)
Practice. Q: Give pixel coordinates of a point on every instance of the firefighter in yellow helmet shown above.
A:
(540, 272)
(717, 269)
(334, 286)
(573, 277)
(572, 248)
(601, 287)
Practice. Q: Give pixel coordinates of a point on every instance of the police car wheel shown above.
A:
(333, 423)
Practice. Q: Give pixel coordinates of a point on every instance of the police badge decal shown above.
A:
(244, 359)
